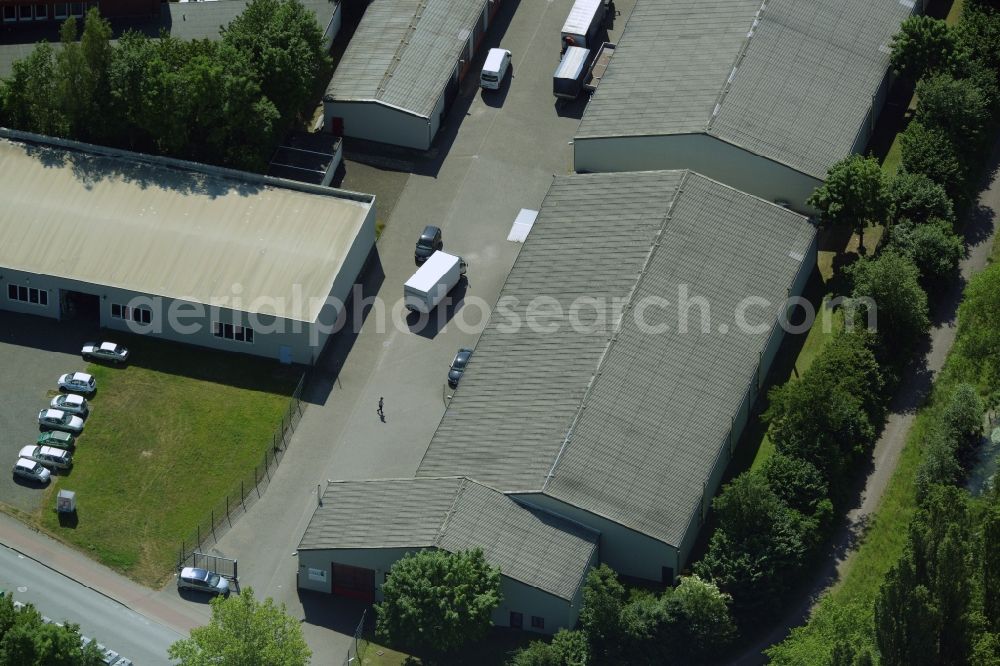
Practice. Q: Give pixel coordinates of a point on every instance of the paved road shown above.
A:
(496, 154)
(125, 631)
(915, 387)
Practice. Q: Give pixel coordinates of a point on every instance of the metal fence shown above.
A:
(250, 488)
(223, 566)
(356, 650)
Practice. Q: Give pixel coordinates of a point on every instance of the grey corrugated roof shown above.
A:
(404, 52)
(454, 514)
(643, 416)
(803, 82)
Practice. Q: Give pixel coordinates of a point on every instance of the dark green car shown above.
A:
(56, 438)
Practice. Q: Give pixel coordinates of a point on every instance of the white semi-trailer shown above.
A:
(432, 282)
(583, 24)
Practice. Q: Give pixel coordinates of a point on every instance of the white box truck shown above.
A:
(432, 282)
(583, 23)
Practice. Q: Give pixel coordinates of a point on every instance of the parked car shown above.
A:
(458, 366)
(428, 243)
(56, 419)
(48, 456)
(78, 382)
(71, 403)
(31, 470)
(57, 439)
(105, 351)
(191, 578)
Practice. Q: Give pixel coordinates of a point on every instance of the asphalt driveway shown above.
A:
(34, 351)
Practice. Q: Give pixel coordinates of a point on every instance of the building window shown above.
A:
(9, 13)
(41, 12)
(232, 332)
(516, 620)
(537, 622)
(61, 10)
(76, 9)
(138, 315)
(27, 294)
(24, 12)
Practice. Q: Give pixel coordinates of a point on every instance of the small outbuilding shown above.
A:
(363, 527)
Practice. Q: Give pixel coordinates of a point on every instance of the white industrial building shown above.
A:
(402, 69)
(762, 96)
(589, 415)
(196, 254)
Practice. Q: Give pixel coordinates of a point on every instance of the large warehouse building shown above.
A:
(762, 96)
(612, 382)
(196, 254)
(364, 527)
(403, 67)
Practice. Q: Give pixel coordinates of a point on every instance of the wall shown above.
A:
(626, 551)
(378, 122)
(705, 154)
(517, 596)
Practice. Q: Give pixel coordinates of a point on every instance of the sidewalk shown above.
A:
(181, 616)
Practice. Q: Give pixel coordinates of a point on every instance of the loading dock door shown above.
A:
(354, 583)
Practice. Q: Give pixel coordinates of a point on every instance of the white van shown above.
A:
(494, 69)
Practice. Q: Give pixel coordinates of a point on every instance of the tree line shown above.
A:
(222, 102)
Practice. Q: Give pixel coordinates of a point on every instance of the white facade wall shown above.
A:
(378, 122)
(517, 597)
(702, 153)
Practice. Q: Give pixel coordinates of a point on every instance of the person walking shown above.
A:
(381, 410)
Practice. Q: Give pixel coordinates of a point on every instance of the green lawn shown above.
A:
(169, 435)
(491, 651)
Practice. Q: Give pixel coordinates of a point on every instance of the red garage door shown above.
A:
(354, 582)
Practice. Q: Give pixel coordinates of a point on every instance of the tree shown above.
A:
(989, 563)
(800, 486)
(939, 464)
(916, 198)
(243, 630)
(568, 648)
(435, 601)
(27, 640)
(699, 623)
(284, 47)
(601, 611)
(30, 100)
(924, 44)
(978, 336)
(963, 420)
(956, 107)
(932, 247)
(907, 622)
(929, 150)
(979, 32)
(890, 284)
(853, 196)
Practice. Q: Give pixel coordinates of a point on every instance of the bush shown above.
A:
(979, 329)
(435, 601)
(957, 108)
(800, 486)
(932, 247)
(892, 283)
(568, 648)
(929, 151)
(916, 198)
(963, 421)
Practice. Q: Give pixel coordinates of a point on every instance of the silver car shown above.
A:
(191, 578)
(48, 456)
(71, 403)
(31, 470)
(105, 351)
(78, 382)
(56, 419)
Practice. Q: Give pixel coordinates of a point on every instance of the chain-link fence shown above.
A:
(249, 489)
(356, 650)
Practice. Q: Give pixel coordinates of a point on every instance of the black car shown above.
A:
(428, 243)
(458, 366)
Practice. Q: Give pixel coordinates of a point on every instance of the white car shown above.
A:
(78, 382)
(105, 351)
(71, 403)
(48, 456)
(29, 469)
(56, 419)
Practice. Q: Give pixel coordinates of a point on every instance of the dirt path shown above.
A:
(914, 389)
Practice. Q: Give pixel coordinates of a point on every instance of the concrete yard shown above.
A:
(495, 155)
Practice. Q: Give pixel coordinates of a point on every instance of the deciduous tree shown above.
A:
(924, 44)
(916, 198)
(853, 195)
(932, 247)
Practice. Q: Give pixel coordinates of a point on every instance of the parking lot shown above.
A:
(34, 351)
